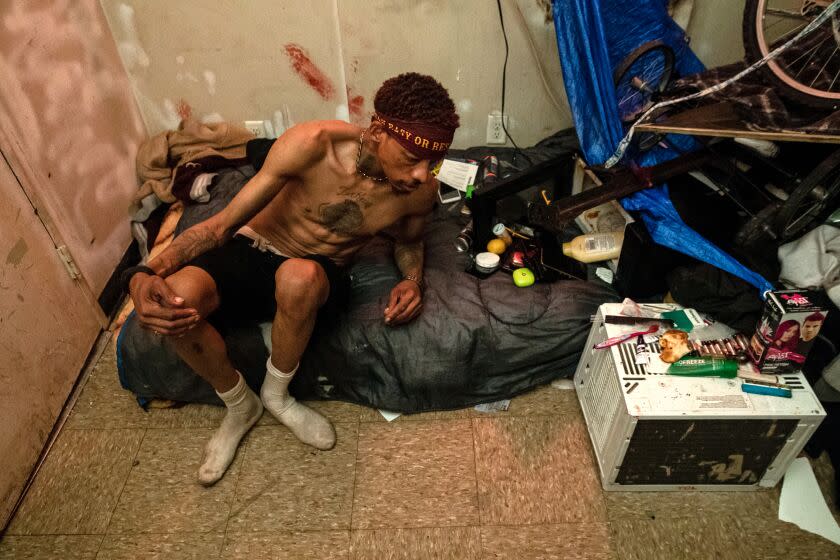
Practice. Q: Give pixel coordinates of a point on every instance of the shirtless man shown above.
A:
(277, 251)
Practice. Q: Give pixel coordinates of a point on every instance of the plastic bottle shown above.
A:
(704, 367)
(594, 247)
(500, 231)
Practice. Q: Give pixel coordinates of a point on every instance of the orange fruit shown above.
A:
(496, 246)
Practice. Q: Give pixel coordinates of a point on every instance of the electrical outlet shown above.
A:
(495, 130)
(256, 127)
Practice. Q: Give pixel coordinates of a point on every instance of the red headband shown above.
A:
(426, 141)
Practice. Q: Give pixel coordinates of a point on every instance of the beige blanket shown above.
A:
(160, 156)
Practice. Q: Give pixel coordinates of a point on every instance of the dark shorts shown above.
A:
(244, 278)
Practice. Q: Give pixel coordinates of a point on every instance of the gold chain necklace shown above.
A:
(359, 158)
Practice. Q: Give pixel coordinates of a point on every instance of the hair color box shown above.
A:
(789, 324)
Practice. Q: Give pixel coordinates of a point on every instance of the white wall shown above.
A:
(231, 58)
(715, 31)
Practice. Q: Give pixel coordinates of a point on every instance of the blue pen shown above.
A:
(766, 390)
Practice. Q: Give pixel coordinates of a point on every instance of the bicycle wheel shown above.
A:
(809, 71)
(758, 228)
(811, 200)
(641, 75)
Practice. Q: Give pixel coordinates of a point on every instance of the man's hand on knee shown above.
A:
(159, 309)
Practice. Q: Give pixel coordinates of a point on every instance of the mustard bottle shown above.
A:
(594, 247)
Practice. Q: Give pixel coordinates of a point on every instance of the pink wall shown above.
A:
(70, 125)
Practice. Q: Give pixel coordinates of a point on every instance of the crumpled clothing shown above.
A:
(813, 261)
(200, 190)
(755, 101)
(185, 175)
(716, 293)
(146, 207)
(160, 156)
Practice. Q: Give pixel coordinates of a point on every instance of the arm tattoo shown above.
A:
(409, 257)
(184, 248)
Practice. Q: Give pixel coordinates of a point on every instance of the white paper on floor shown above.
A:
(388, 415)
(802, 502)
(565, 384)
(498, 406)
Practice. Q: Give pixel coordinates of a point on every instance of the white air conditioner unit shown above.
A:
(664, 432)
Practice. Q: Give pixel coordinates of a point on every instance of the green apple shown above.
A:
(523, 277)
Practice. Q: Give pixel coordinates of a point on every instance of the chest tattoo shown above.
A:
(359, 197)
(341, 217)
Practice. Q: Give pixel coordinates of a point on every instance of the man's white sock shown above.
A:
(243, 410)
(307, 425)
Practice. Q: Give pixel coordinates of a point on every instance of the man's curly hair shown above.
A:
(416, 97)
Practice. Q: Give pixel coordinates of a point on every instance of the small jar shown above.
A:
(500, 231)
(487, 262)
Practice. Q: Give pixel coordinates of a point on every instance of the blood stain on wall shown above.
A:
(545, 7)
(309, 72)
(184, 110)
(356, 104)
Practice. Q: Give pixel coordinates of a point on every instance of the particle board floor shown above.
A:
(120, 483)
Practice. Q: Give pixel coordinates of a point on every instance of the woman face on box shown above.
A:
(787, 334)
(791, 333)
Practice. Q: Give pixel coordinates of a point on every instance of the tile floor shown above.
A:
(521, 484)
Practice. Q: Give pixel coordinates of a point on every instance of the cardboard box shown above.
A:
(787, 329)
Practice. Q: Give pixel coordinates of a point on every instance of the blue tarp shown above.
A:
(593, 37)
